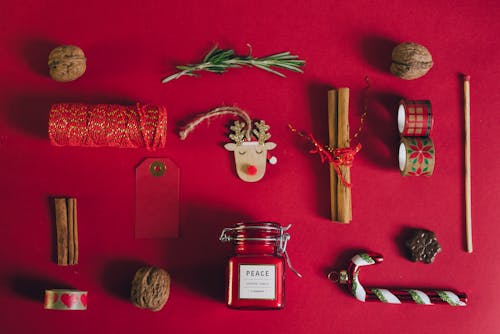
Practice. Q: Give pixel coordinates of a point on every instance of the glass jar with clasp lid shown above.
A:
(256, 270)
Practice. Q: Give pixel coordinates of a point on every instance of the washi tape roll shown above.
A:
(416, 156)
(65, 300)
(415, 118)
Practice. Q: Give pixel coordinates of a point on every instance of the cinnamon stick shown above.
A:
(75, 232)
(343, 192)
(67, 231)
(71, 236)
(71, 231)
(61, 230)
(332, 142)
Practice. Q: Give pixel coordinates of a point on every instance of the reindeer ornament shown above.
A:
(250, 152)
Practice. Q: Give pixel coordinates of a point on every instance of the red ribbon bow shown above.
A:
(335, 156)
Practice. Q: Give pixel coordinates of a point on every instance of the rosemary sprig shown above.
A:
(220, 60)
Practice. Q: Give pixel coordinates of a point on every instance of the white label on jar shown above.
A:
(257, 281)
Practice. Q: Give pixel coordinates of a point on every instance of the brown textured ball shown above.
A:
(67, 63)
(150, 288)
(410, 61)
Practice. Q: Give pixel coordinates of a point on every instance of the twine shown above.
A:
(235, 111)
(366, 90)
(108, 125)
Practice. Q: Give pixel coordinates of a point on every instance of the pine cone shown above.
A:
(423, 246)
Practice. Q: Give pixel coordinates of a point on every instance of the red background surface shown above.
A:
(131, 45)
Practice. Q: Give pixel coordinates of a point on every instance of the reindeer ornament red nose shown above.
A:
(250, 157)
(251, 170)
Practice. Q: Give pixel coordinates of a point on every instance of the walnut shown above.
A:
(67, 63)
(150, 288)
(410, 61)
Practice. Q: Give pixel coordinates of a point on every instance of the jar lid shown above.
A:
(264, 232)
(260, 232)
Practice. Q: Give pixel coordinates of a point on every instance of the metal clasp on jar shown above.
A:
(230, 234)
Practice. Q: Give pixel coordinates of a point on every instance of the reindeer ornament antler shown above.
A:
(250, 143)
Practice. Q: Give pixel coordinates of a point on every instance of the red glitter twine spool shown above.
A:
(108, 125)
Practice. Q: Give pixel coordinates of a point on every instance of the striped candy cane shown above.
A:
(392, 296)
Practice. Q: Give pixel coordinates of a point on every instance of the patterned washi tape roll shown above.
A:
(63, 299)
(415, 118)
(416, 156)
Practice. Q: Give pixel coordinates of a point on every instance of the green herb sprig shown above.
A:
(220, 60)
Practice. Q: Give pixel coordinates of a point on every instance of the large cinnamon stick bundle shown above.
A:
(67, 231)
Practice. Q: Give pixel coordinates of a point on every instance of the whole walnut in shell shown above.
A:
(150, 288)
(410, 61)
(67, 63)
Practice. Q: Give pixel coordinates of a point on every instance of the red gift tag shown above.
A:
(157, 199)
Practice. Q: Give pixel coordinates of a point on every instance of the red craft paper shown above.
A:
(157, 199)
(130, 46)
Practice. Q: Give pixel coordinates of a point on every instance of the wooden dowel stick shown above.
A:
(75, 233)
(468, 213)
(332, 142)
(71, 228)
(61, 230)
(344, 193)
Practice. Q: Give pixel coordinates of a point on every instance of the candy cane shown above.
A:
(391, 296)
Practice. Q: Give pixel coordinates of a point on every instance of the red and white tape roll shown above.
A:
(415, 118)
(65, 300)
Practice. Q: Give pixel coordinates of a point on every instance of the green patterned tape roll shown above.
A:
(417, 156)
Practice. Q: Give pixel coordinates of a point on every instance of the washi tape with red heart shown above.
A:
(415, 118)
(417, 156)
(64, 299)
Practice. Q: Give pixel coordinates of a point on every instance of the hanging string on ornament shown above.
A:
(108, 125)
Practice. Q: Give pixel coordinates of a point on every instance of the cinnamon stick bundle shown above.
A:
(338, 125)
(67, 231)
